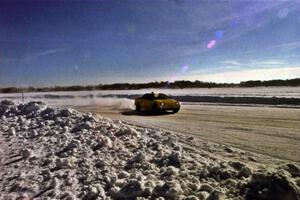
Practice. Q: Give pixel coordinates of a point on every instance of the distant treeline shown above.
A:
(289, 82)
(162, 84)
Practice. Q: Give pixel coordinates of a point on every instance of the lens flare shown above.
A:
(283, 13)
(211, 44)
(219, 35)
(184, 68)
(233, 23)
(173, 78)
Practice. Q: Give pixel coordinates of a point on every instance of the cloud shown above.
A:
(253, 63)
(270, 62)
(27, 58)
(231, 62)
(289, 46)
(228, 75)
(200, 27)
(247, 74)
(52, 51)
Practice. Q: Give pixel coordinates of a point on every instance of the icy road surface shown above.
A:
(266, 130)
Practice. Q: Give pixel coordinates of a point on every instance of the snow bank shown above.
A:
(52, 153)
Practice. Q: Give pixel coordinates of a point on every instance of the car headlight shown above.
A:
(162, 103)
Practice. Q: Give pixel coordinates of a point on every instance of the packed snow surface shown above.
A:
(52, 153)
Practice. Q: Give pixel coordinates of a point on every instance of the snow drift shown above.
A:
(51, 153)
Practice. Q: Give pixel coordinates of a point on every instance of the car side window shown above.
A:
(148, 97)
(162, 96)
(144, 96)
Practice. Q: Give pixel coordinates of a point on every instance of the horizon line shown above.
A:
(138, 83)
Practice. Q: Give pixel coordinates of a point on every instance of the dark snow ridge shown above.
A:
(50, 153)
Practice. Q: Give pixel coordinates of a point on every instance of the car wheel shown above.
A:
(138, 107)
(155, 108)
(175, 110)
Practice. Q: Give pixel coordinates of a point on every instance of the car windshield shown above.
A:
(162, 96)
(152, 96)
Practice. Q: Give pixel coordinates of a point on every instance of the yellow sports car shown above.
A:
(156, 102)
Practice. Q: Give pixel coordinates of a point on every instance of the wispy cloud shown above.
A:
(247, 19)
(244, 75)
(231, 62)
(288, 46)
(254, 63)
(269, 63)
(52, 51)
(31, 56)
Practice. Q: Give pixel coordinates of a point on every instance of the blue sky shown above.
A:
(90, 42)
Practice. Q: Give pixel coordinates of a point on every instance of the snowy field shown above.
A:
(288, 92)
(54, 153)
(122, 99)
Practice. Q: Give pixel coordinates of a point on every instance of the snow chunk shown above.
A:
(34, 106)
(65, 163)
(245, 172)
(207, 188)
(170, 189)
(48, 113)
(128, 131)
(85, 125)
(104, 142)
(174, 159)
(66, 112)
(272, 186)
(26, 153)
(7, 102)
(171, 171)
(131, 190)
(293, 169)
(216, 195)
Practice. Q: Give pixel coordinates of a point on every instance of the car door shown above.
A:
(147, 101)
